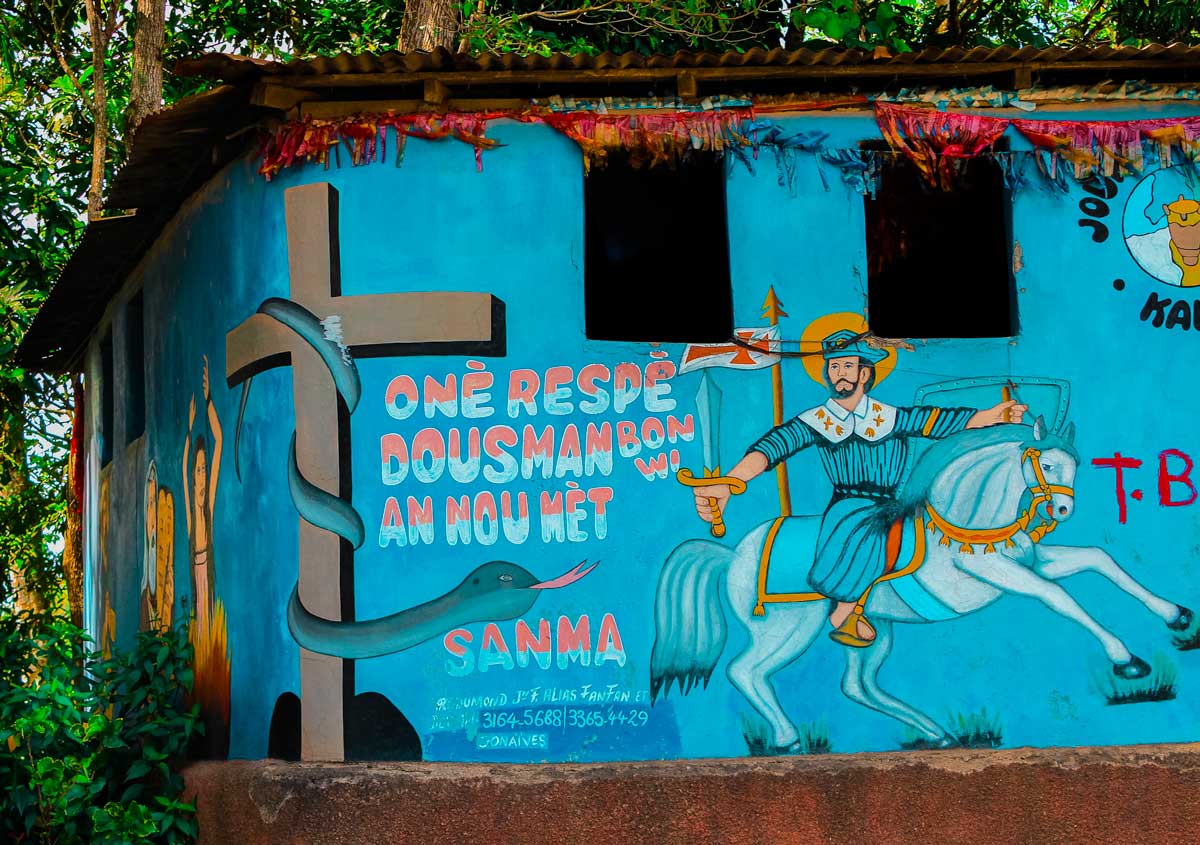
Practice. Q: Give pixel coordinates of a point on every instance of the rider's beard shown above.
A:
(843, 388)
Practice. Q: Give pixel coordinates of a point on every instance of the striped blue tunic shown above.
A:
(865, 471)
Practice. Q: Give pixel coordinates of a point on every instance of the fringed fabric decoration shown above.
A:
(935, 141)
(1109, 146)
(311, 139)
(1089, 146)
(859, 168)
(786, 147)
(650, 139)
(75, 462)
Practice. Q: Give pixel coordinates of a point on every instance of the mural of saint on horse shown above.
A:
(910, 536)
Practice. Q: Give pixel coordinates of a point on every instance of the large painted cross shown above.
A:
(378, 325)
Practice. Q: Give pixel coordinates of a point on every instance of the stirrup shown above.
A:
(847, 632)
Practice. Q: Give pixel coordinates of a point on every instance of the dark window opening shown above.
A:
(135, 370)
(106, 398)
(939, 261)
(656, 252)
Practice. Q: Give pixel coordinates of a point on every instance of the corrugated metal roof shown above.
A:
(238, 68)
(176, 150)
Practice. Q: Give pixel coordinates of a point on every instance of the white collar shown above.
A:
(860, 410)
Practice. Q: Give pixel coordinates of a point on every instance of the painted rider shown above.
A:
(864, 446)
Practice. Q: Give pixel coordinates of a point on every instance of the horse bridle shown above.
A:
(1041, 490)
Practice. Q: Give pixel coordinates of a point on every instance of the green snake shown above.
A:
(494, 591)
(318, 507)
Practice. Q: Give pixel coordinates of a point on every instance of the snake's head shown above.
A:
(502, 576)
(497, 576)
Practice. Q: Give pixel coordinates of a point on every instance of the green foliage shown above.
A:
(87, 744)
(850, 23)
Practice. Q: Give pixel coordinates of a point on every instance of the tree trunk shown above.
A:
(14, 481)
(99, 40)
(145, 88)
(428, 24)
(72, 559)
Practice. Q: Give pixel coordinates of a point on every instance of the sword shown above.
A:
(708, 415)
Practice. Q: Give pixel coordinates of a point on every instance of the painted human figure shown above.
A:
(158, 554)
(200, 480)
(864, 445)
(150, 548)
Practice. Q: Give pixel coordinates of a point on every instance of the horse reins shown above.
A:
(1042, 491)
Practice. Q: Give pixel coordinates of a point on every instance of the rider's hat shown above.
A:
(844, 343)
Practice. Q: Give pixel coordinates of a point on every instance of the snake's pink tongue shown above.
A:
(568, 577)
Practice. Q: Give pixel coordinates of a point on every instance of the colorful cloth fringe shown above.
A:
(75, 461)
(366, 136)
(935, 141)
(1107, 146)
(650, 139)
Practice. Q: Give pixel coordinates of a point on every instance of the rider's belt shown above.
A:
(863, 491)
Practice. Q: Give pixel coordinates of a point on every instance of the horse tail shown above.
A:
(689, 621)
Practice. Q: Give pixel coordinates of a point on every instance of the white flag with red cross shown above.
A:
(754, 349)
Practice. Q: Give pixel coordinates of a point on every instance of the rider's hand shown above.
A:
(720, 492)
(1009, 411)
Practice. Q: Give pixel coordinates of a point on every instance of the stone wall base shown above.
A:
(1131, 794)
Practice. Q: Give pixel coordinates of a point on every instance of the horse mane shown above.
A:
(915, 491)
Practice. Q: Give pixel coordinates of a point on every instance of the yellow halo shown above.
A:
(823, 327)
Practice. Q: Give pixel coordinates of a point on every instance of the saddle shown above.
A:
(787, 556)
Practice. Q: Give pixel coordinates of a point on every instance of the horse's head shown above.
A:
(1048, 464)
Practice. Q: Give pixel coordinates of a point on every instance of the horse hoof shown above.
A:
(1183, 621)
(1187, 631)
(792, 750)
(1132, 669)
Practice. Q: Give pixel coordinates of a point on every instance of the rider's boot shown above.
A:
(850, 631)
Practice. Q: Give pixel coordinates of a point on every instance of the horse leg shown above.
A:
(1006, 574)
(1055, 562)
(775, 641)
(860, 684)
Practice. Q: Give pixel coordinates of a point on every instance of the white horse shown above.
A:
(969, 487)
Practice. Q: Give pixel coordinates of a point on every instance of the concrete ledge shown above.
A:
(1130, 794)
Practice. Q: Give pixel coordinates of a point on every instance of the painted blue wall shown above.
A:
(515, 230)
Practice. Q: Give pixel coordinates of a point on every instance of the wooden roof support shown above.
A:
(345, 108)
(686, 86)
(436, 92)
(279, 97)
(813, 73)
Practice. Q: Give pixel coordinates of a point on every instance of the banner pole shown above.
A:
(773, 310)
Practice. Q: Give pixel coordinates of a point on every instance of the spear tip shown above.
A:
(772, 307)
